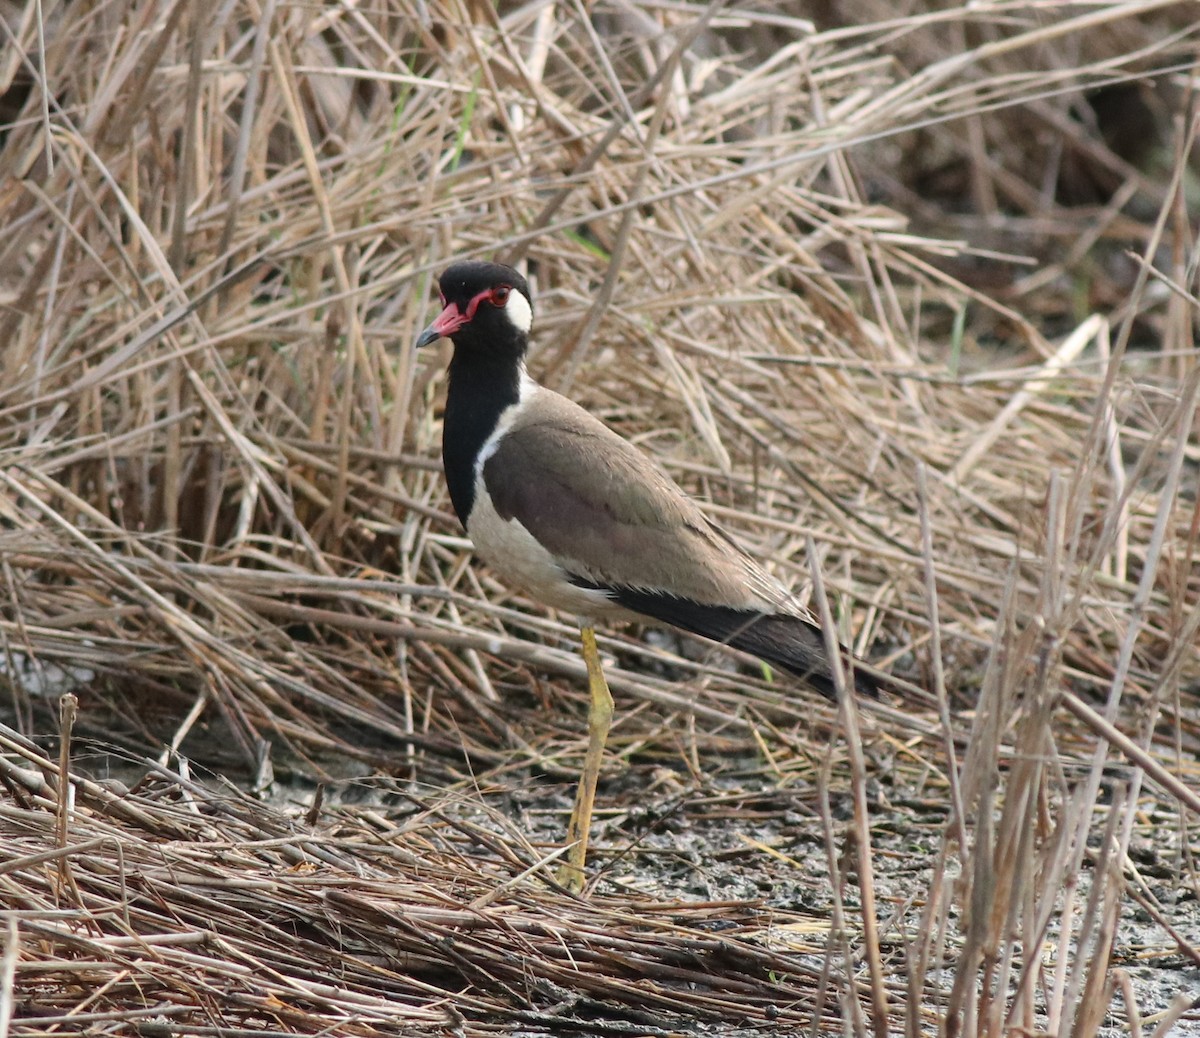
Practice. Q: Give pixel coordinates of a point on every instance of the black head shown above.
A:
(483, 305)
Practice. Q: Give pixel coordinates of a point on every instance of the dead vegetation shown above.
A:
(893, 292)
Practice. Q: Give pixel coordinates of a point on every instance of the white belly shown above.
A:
(518, 559)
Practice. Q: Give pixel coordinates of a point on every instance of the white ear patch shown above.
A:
(520, 313)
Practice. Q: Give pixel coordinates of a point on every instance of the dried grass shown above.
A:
(221, 497)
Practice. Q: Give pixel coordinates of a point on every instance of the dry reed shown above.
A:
(790, 260)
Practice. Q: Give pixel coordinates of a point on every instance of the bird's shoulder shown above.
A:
(559, 448)
(609, 514)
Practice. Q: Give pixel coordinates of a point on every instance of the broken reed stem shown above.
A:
(848, 712)
(8, 972)
(958, 815)
(68, 709)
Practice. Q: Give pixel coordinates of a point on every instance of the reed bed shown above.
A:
(890, 291)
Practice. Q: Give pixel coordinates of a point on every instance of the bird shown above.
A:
(561, 506)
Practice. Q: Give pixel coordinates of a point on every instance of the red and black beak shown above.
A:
(448, 322)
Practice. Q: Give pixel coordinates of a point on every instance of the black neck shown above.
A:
(481, 389)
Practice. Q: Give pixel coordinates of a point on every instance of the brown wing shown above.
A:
(617, 523)
(612, 517)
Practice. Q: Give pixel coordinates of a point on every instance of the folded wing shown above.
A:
(618, 524)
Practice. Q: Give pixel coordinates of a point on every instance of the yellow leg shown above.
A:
(600, 714)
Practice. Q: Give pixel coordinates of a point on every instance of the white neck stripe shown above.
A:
(526, 388)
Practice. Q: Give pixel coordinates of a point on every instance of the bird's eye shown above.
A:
(499, 295)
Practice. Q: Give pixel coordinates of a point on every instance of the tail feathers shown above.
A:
(784, 641)
(791, 644)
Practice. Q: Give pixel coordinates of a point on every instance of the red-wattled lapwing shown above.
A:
(563, 507)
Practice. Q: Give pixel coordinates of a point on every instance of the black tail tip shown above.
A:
(866, 681)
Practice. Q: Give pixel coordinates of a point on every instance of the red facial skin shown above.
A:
(451, 320)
